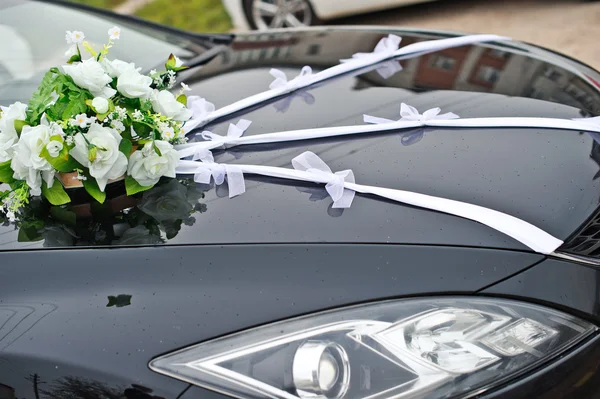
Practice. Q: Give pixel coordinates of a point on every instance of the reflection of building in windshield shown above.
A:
(468, 68)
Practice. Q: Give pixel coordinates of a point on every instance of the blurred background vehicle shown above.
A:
(266, 14)
(567, 26)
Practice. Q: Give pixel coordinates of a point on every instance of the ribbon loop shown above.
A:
(235, 177)
(386, 47)
(281, 80)
(410, 113)
(233, 132)
(201, 109)
(335, 182)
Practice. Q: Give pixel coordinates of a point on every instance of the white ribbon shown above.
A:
(385, 48)
(410, 119)
(382, 52)
(311, 163)
(233, 132)
(409, 113)
(309, 167)
(593, 122)
(281, 80)
(201, 109)
(235, 177)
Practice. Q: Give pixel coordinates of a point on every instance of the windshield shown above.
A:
(33, 41)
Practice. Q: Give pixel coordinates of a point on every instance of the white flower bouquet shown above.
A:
(90, 122)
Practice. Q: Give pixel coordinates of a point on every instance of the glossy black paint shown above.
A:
(86, 322)
(576, 288)
(184, 295)
(546, 177)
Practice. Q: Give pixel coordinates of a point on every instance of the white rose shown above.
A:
(115, 68)
(133, 84)
(164, 102)
(11, 113)
(147, 167)
(7, 147)
(109, 163)
(54, 148)
(90, 75)
(100, 104)
(27, 163)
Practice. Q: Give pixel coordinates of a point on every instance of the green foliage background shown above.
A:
(192, 15)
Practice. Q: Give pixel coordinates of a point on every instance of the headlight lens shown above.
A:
(438, 348)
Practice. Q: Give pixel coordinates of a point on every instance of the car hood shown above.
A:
(546, 177)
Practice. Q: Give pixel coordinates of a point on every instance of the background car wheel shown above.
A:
(266, 14)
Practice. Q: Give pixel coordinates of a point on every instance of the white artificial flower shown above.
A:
(133, 84)
(54, 148)
(7, 147)
(172, 76)
(71, 51)
(147, 167)
(137, 115)
(27, 163)
(121, 112)
(109, 162)
(11, 216)
(114, 33)
(167, 133)
(74, 37)
(117, 125)
(80, 120)
(165, 103)
(15, 111)
(8, 133)
(90, 75)
(185, 87)
(178, 62)
(69, 140)
(100, 104)
(116, 67)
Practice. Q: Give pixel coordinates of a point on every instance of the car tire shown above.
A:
(305, 15)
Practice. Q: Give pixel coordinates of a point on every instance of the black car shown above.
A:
(181, 292)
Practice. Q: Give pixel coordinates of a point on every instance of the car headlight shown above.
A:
(431, 347)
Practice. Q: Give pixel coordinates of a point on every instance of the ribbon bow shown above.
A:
(233, 132)
(408, 113)
(386, 47)
(282, 81)
(201, 109)
(311, 163)
(235, 176)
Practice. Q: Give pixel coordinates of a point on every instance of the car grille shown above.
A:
(586, 242)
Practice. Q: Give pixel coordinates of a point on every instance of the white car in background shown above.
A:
(266, 14)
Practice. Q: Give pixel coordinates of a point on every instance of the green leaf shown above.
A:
(19, 125)
(125, 147)
(74, 58)
(170, 64)
(42, 97)
(29, 232)
(6, 172)
(182, 99)
(63, 215)
(63, 162)
(93, 153)
(76, 106)
(133, 187)
(156, 149)
(91, 186)
(56, 195)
